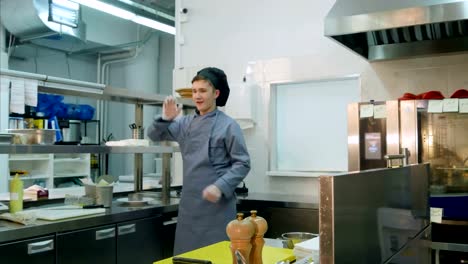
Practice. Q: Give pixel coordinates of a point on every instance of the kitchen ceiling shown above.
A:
(94, 33)
(166, 6)
(159, 10)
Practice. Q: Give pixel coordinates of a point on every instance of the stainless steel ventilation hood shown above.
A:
(398, 29)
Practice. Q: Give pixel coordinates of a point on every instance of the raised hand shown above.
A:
(170, 109)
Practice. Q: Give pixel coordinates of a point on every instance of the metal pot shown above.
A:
(71, 131)
(292, 238)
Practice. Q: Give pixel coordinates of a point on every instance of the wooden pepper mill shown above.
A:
(257, 240)
(240, 231)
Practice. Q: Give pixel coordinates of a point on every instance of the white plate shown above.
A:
(143, 200)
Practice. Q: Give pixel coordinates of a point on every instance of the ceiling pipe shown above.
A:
(3, 48)
(103, 63)
(102, 106)
(2, 39)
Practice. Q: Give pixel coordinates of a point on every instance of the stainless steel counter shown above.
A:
(280, 200)
(118, 213)
(44, 149)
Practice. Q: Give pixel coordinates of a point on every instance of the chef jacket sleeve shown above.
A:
(165, 130)
(240, 161)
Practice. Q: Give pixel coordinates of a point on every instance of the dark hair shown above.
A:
(218, 80)
(203, 78)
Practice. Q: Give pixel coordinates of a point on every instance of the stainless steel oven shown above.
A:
(435, 137)
(373, 132)
(441, 139)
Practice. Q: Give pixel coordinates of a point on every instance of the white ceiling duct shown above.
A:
(94, 30)
(31, 19)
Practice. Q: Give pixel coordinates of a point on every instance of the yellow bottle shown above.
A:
(16, 194)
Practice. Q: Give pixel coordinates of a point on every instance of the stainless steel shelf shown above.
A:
(449, 246)
(55, 85)
(62, 86)
(116, 95)
(33, 149)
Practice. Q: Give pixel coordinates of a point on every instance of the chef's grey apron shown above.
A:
(200, 222)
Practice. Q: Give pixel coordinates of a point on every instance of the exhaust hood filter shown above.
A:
(383, 36)
(406, 34)
(395, 36)
(383, 30)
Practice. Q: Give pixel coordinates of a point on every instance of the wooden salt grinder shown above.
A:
(240, 231)
(257, 240)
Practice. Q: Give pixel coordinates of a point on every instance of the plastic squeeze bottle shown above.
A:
(257, 240)
(240, 231)
(16, 194)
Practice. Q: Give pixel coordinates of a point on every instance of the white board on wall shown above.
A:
(310, 124)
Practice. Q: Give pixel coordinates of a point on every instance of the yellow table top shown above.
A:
(220, 253)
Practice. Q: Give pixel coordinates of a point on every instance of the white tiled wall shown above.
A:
(287, 41)
(445, 74)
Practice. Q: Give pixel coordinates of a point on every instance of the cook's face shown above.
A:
(204, 95)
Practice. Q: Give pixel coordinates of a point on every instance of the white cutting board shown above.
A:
(55, 213)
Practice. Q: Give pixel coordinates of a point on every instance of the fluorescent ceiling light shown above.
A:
(154, 24)
(104, 7)
(148, 9)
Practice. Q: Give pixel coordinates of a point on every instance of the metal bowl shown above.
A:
(33, 136)
(297, 237)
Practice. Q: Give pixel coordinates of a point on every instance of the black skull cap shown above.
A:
(218, 78)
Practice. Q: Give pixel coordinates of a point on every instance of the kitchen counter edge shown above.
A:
(117, 214)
